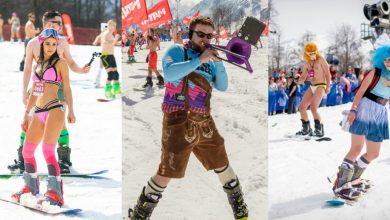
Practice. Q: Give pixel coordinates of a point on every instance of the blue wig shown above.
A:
(379, 57)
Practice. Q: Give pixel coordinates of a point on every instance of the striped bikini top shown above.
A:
(49, 75)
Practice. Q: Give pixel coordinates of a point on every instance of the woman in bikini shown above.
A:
(48, 119)
(15, 27)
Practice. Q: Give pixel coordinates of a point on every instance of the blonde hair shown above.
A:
(310, 47)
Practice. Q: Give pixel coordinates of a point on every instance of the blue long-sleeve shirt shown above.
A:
(175, 67)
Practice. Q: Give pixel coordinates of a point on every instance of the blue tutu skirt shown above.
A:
(371, 120)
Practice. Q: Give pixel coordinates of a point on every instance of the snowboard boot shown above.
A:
(116, 89)
(318, 129)
(64, 158)
(54, 193)
(306, 129)
(160, 82)
(149, 83)
(18, 166)
(108, 91)
(362, 185)
(131, 59)
(21, 66)
(145, 205)
(236, 199)
(343, 185)
(31, 186)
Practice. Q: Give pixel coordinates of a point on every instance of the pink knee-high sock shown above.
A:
(50, 157)
(29, 158)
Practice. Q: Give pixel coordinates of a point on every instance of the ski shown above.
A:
(42, 209)
(75, 175)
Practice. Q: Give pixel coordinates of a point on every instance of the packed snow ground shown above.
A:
(298, 187)
(241, 118)
(95, 139)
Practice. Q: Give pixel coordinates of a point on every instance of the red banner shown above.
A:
(222, 32)
(158, 15)
(68, 28)
(266, 30)
(134, 12)
(196, 14)
(187, 19)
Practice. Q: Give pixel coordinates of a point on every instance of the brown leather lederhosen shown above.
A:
(185, 131)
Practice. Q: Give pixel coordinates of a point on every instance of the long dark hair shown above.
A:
(52, 58)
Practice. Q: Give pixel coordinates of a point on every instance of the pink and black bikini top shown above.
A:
(49, 75)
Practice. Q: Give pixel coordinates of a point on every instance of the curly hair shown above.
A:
(310, 47)
(379, 56)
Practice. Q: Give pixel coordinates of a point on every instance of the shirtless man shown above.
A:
(108, 41)
(99, 73)
(51, 19)
(1, 27)
(152, 66)
(316, 69)
(31, 32)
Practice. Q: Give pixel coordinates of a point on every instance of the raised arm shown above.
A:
(71, 63)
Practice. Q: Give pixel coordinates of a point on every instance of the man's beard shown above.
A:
(196, 47)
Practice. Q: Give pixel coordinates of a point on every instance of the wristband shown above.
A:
(353, 110)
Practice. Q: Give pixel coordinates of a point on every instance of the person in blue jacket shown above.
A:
(191, 72)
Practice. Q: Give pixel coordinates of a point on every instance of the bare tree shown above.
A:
(347, 46)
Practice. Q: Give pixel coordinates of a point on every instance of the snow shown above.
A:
(298, 187)
(95, 139)
(241, 117)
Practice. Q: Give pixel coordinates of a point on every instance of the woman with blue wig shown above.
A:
(368, 124)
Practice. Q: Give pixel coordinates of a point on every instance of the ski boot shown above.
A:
(236, 199)
(108, 91)
(362, 185)
(343, 185)
(149, 83)
(31, 186)
(306, 129)
(160, 82)
(145, 205)
(54, 193)
(318, 129)
(64, 158)
(18, 166)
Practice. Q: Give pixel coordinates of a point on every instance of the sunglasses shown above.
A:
(387, 59)
(202, 34)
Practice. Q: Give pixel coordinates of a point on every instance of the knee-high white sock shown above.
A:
(153, 187)
(226, 175)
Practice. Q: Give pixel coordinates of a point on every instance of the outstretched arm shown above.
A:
(71, 63)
